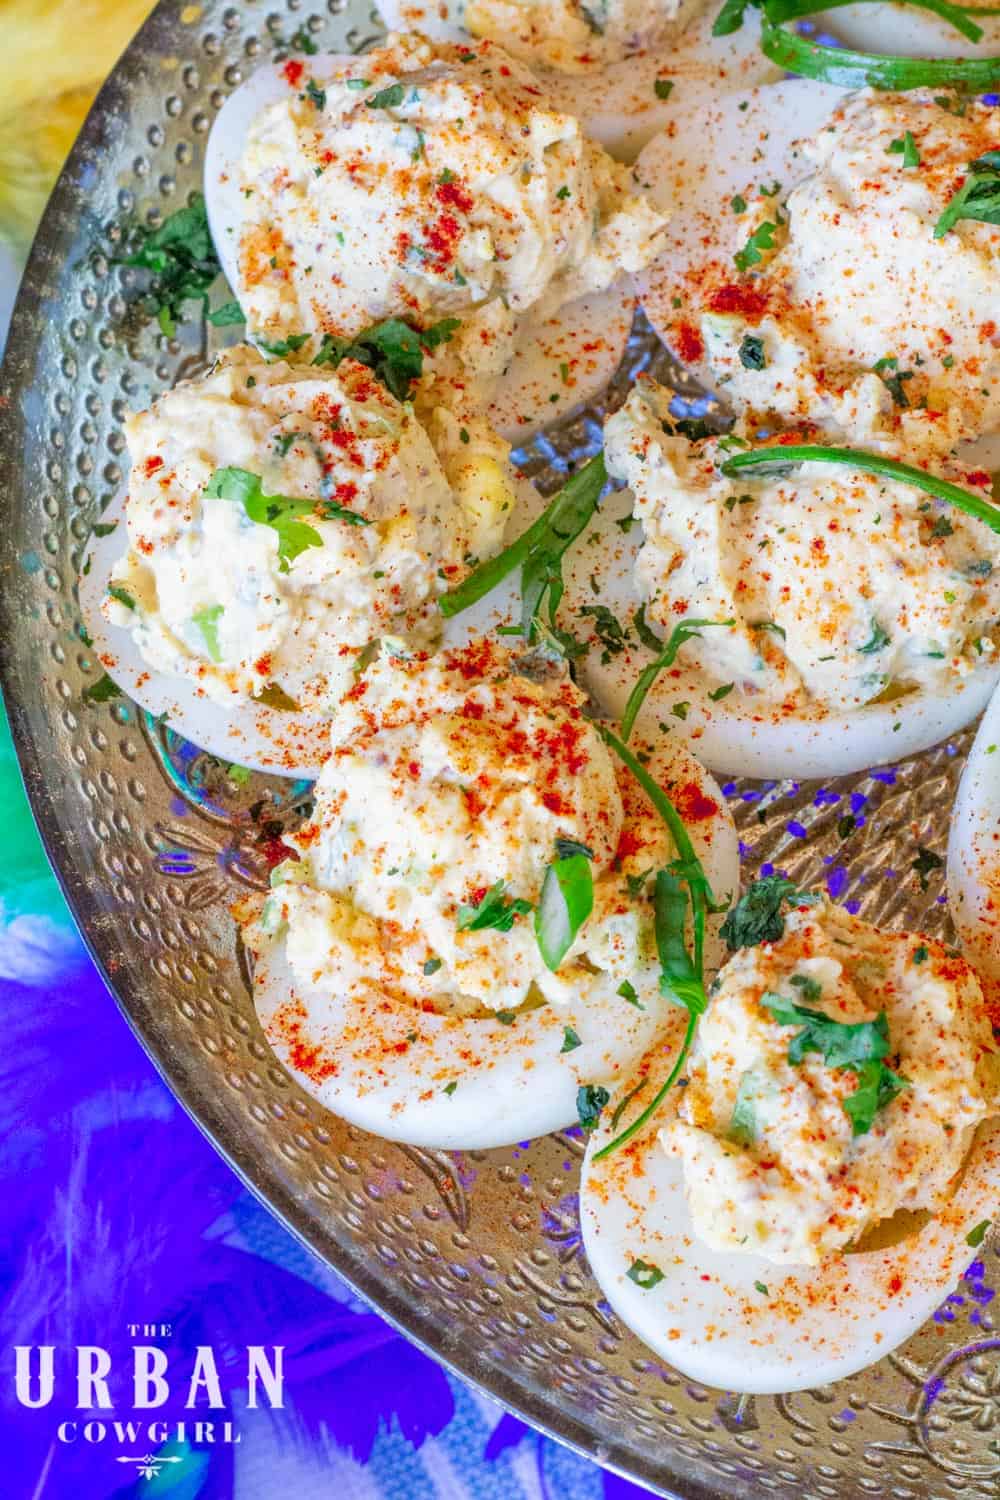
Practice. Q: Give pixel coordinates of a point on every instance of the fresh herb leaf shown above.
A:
(207, 621)
(590, 1100)
(570, 1040)
(811, 988)
(926, 862)
(906, 147)
(609, 631)
(182, 259)
(859, 1047)
(743, 1124)
(493, 910)
(122, 595)
(450, 1088)
(226, 314)
(282, 348)
(538, 552)
(663, 87)
(893, 381)
(975, 1237)
(105, 528)
(942, 527)
(392, 350)
(877, 641)
(277, 511)
(751, 353)
(977, 199)
(683, 631)
(717, 694)
(644, 1274)
(920, 955)
(761, 239)
(101, 691)
(566, 902)
(432, 965)
(628, 992)
(316, 94)
(756, 917)
(759, 1286)
(387, 98)
(648, 637)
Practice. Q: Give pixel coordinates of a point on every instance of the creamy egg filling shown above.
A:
(453, 786)
(425, 181)
(841, 587)
(868, 306)
(573, 36)
(838, 1077)
(281, 518)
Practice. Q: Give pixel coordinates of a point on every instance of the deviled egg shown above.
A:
(837, 239)
(800, 1207)
(974, 856)
(279, 519)
(431, 183)
(831, 618)
(465, 938)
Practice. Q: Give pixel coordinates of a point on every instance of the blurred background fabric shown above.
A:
(113, 1208)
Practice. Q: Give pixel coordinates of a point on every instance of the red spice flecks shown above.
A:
(688, 342)
(152, 464)
(262, 666)
(692, 804)
(980, 477)
(560, 806)
(442, 237)
(293, 72)
(628, 844)
(733, 298)
(454, 194)
(275, 852)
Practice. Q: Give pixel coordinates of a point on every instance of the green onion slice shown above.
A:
(566, 902)
(774, 459)
(559, 524)
(681, 632)
(854, 70)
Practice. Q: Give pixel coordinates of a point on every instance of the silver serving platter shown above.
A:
(475, 1256)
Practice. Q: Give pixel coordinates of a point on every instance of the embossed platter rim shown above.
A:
(540, 1341)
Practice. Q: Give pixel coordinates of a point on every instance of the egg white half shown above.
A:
(737, 736)
(619, 105)
(739, 1322)
(385, 1068)
(268, 739)
(587, 337)
(974, 856)
(745, 141)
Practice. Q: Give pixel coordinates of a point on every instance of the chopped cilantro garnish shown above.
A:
(893, 381)
(717, 694)
(227, 313)
(877, 641)
(906, 147)
(751, 353)
(743, 1124)
(738, 204)
(663, 87)
(975, 1237)
(756, 917)
(759, 1286)
(101, 691)
(684, 630)
(392, 350)
(316, 94)
(207, 621)
(493, 910)
(590, 1100)
(432, 965)
(925, 862)
(570, 1040)
(644, 1274)
(122, 595)
(628, 992)
(859, 1047)
(387, 98)
(450, 1088)
(282, 348)
(920, 955)
(182, 259)
(280, 512)
(761, 239)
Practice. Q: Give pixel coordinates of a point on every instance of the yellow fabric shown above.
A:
(55, 55)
